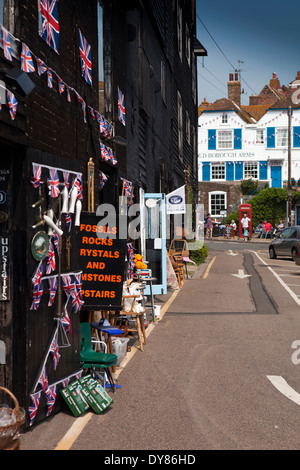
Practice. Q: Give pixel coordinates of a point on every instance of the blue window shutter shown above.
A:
(237, 139)
(206, 171)
(239, 170)
(270, 137)
(263, 170)
(296, 132)
(212, 139)
(229, 171)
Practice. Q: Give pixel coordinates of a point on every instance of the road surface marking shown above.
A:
(292, 294)
(70, 437)
(231, 253)
(241, 274)
(209, 268)
(284, 388)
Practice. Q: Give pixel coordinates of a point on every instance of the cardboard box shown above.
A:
(74, 399)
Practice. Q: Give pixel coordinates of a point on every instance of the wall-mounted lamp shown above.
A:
(17, 81)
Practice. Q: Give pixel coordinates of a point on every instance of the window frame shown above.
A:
(250, 174)
(213, 194)
(279, 130)
(180, 124)
(261, 139)
(217, 171)
(230, 141)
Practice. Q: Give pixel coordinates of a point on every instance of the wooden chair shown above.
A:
(139, 319)
(178, 266)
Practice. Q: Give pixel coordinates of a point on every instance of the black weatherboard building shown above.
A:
(95, 88)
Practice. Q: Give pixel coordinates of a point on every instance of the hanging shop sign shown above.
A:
(102, 262)
(40, 246)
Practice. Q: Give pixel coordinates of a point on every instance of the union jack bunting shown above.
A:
(85, 56)
(121, 106)
(92, 113)
(61, 85)
(32, 410)
(37, 293)
(104, 152)
(68, 94)
(78, 283)
(66, 382)
(66, 176)
(102, 179)
(103, 126)
(130, 258)
(49, 78)
(127, 185)
(53, 283)
(55, 239)
(76, 301)
(53, 183)
(66, 322)
(68, 284)
(54, 349)
(43, 380)
(51, 397)
(79, 374)
(37, 277)
(68, 220)
(50, 25)
(6, 44)
(51, 265)
(98, 116)
(112, 157)
(26, 60)
(79, 186)
(41, 67)
(37, 174)
(12, 104)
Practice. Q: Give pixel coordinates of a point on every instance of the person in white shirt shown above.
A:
(245, 225)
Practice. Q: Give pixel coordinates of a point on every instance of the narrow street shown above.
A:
(218, 372)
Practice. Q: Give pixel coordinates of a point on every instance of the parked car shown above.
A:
(285, 244)
(297, 254)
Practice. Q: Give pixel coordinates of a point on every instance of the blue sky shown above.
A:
(264, 34)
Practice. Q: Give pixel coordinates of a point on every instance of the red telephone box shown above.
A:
(245, 209)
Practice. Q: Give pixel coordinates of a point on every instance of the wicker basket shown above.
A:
(7, 433)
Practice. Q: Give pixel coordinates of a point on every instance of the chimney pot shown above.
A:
(231, 77)
(236, 77)
(274, 75)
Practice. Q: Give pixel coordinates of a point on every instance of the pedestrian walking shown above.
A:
(209, 226)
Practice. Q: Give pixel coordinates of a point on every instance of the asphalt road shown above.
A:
(220, 370)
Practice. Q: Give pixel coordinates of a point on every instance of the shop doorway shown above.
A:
(153, 238)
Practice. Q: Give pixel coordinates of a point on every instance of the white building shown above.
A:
(240, 142)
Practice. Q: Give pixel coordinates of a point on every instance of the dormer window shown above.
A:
(224, 118)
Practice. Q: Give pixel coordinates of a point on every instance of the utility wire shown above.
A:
(204, 78)
(233, 67)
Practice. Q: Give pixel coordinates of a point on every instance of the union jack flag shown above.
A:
(43, 380)
(51, 397)
(53, 283)
(61, 85)
(49, 78)
(37, 293)
(130, 259)
(92, 113)
(26, 60)
(50, 24)
(55, 239)
(68, 285)
(112, 157)
(104, 152)
(32, 410)
(102, 179)
(76, 301)
(85, 55)
(121, 106)
(103, 127)
(68, 94)
(12, 104)
(53, 182)
(127, 188)
(6, 44)
(68, 220)
(50, 266)
(98, 116)
(66, 382)
(79, 186)
(78, 282)
(37, 174)
(37, 277)
(66, 176)
(54, 351)
(66, 322)
(41, 67)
